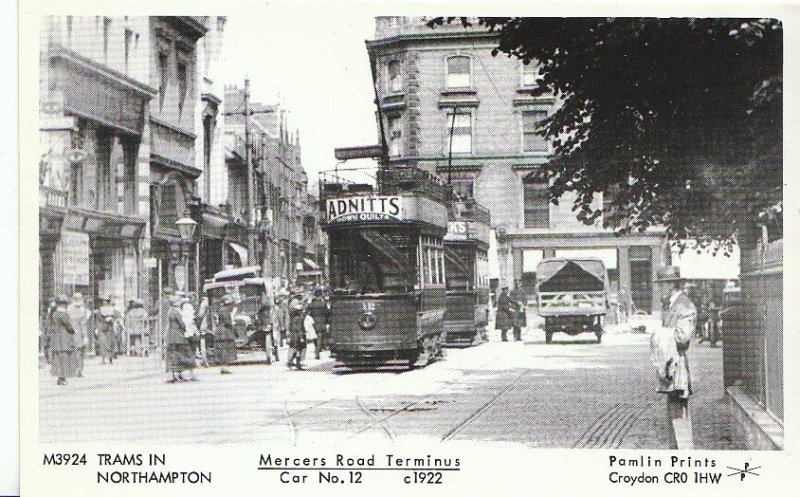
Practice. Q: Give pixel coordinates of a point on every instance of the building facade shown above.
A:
(95, 93)
(449, 107)
(286, 215)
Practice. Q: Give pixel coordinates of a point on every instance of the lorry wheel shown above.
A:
(548, 337)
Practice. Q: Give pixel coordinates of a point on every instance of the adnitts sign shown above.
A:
(365, 209)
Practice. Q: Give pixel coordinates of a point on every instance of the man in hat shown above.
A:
(79, 318)
(297, 335)
(62, 343)
(318, 309)
(505, 316)
(669, 344)
(518, 306)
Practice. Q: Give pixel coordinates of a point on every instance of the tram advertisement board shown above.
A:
(365, 208)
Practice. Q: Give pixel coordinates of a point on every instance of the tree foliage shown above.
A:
(680, 119)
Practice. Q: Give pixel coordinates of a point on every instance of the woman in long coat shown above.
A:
(180, 356)
(224, 336)
(106, 323)
(62, 343)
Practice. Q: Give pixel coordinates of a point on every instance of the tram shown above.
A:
(386, 262)
(467, 280)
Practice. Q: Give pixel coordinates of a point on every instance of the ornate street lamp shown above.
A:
(186, 227)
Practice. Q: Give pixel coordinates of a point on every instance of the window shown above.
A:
(395, 82)
(395, 136)
(128, 39)
(106, 29)
(69, 31)
(537, 201)
(531, 141)
(461, 133)
(163, 71)
(182, 85)
(463, 183)
(458, 72)
(530, 74)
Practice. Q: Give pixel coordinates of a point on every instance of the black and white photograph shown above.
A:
(310, 228)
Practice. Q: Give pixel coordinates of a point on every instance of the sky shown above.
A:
(315, 61)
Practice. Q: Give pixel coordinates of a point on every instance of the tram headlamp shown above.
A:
(367, 321)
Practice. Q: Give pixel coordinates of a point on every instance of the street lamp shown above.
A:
(186, 228)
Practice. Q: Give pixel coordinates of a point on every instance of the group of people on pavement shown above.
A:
(298, 318)
(309, 322)
(70, 331)
(511, 312)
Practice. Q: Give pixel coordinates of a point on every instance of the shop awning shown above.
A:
(240, 251)
(311, 264)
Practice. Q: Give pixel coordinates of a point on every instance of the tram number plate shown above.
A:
(424, 478)
(368, 306)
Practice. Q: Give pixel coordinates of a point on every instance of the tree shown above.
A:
(680, 119)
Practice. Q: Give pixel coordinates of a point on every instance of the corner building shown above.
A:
(434, 84)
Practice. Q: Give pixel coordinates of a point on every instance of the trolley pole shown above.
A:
(251, 242)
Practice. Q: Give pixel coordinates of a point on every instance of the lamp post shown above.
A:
(186, 228)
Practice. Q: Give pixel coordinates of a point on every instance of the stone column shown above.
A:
(516, 256)
(143, 206)
(624, 261)
(656, 262)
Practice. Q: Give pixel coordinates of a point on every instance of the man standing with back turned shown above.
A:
(669, 344)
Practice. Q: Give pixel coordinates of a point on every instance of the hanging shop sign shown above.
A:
(75, 258)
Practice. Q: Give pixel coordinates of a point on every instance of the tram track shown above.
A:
(609, 429)
(410, 405)
(483, 408)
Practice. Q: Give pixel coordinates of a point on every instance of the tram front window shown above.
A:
(372, 261)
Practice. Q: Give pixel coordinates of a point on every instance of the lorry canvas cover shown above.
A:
(571, 275)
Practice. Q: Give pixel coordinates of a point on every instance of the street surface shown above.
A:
(572, 393)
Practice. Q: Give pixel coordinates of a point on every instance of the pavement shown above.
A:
(572, 393)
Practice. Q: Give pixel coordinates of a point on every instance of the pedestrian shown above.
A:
(504, 317)
(180, 356)
(297, 335)
(105, 330)
(62, 343)
(189, 318)
(225, 338)
(136, 326)
(319, 310)
(282, 314)
(669, 344)
(519, 303)
(267, 321)
(624, 299)
(202, 320)
(79, 317)
(45, 331)
(311, 333)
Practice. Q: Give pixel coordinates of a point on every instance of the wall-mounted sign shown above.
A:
(365, 209)
(75, 257)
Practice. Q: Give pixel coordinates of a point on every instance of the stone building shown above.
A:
(286, 215)
(94, 181)
(173, 175)
(453, 109)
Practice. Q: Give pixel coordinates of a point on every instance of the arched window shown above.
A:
(458, 72)
(395, 76)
